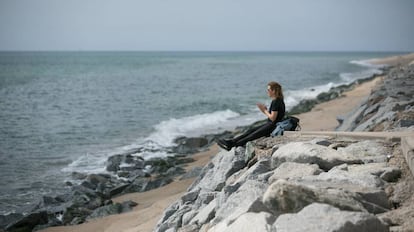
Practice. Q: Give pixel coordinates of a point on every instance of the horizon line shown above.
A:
(206, 51)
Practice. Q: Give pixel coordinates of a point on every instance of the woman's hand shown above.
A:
(261, 107)
(272, 115)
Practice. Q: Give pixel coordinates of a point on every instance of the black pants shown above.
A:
(255, 133)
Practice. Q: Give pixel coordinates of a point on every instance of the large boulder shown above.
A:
(250, 193)
(260, 222)
(320, 217)
(189, 145)
(347, 178)
(368, 151)
(285, 197)
(205, 214)
(305, 152)
(215, 174)
(28, 222)
(255, 172)
(289, 170)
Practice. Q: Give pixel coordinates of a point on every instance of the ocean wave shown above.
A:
(293, 97)
(87, 163)
(167, 131)
(159, 142)
(348, 78)
(370, 63)
(373, 69)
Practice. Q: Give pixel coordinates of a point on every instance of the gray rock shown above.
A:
(406, 123)
(292, 170)
(250, 152)
(113, 163)
(373, 200)
(95, 179)
(117, 190)
(137, 186)
(174, 221)
(28, 222)
(368, 151)
(385, 113)
(285, 197)
(189, 145)
(106, 210)
(260, 222)
(221, 167)
(303, 106)
(160, 165)
(304, 152)
(391, 174)
(190, 197)
(72, 215)
(189, 228)
(230, 189)
(146, 184)
(88, 185)
(351, 178)
(128, 205)
(375, 169)
(78, 175)
(111, 209)
(231, 208)
(260, 167)
(159, 182)
(348, 122)
(319, 217)
(9, 219)
(204, 198)
(194, 172)
(205, 214)
(168, 212)
(188, 216)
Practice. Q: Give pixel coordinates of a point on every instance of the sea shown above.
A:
(65, 112)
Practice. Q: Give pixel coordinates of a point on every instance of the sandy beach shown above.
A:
(151, 204)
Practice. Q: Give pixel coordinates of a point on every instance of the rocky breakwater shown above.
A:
(390, 107)
(293, 184)
(89, 195)
(310, 183)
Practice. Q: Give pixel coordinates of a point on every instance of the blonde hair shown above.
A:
(277, 88)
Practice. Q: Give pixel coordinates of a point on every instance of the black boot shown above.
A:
(225, 144)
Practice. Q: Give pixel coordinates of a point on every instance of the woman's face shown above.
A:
(270, 92)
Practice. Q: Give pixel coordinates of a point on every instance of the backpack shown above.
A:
(290, 123)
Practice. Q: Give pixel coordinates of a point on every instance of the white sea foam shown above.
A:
(367, 63)
(196, 125)
(351, 77)
(88, 163)
(159, 142)
(373, 69)
(293, 97)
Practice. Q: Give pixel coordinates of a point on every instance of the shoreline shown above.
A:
(152, 203)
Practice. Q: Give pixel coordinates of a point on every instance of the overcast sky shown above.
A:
(259, 25)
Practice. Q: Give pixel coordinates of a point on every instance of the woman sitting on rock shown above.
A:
(275, 114)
